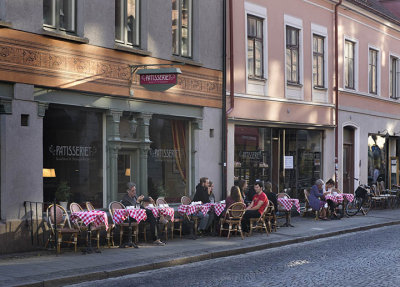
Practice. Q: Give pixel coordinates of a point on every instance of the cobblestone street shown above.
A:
(367, 258)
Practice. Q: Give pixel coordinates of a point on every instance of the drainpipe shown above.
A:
(223, 111)
(336, 94)
(231, 95)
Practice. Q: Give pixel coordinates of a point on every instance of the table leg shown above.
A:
(89, 249)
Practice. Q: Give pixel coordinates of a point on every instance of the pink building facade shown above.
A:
(281, 127)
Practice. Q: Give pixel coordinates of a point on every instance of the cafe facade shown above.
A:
(74, 114)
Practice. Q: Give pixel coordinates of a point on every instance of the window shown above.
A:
(255, 47)
(394, 77)
(182, 28)
(60, 15)
(318, 61)
(127, 22)
(292, 55)
(373, 71)
(349, 64)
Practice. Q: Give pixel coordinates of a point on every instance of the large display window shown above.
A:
(168, 158)
(73, 154)
(377, 161)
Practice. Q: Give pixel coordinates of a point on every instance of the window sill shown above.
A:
(320, 89)
(131, 49)
(294, 85)
(5, 24)
(261, 80)
(186, 61)
(65, 36)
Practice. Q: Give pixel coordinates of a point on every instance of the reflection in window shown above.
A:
(60, 15)
(182, 28)
(254, 47)
(318, 61)
(292, 55)
(168, 159)
(349, 64)
(72, 145)
(252, 153)
(373, 71)
(376, 157)
(127, 25)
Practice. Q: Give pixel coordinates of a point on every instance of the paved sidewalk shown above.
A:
(41, 269)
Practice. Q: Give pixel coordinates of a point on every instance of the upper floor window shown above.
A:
(127, 22)
(60, 15)
(318, 61)
(373, 71)
(255, 47)
(182, 28)
(394, 77)
(349, 64)
(292, 55)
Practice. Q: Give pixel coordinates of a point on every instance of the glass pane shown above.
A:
(167, 159)
(258, 59)
(175, 27)
(250, 58)
(315, 77)
(67, 15)
(73, 146)
(351, 74)
(295, 77)
(294, 37)
(49, 12)
(124, 172)
(186, 28)
(320, 45)
(259, 29)
(119, 20)
(376, 157)
(132, 23)
(320, 71)
(346, 72)
(288, 65)
(315, 44)
(251, 28)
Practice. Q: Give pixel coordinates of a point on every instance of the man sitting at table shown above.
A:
(256, 207)
(329, 189)
(202, 194)
(130, 199)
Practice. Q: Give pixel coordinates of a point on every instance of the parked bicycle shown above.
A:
(362, 201)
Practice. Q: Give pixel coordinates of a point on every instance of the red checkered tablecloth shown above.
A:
(349, 196)
(218, 208)
(166, 211)
(287, 203)
(96, 217)
(204, 208)
(337, 198)
(121, 214)
(189, 209)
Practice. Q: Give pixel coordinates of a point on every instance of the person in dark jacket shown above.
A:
(202, 191)
(271, 195)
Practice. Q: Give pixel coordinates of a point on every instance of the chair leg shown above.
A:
(75, 242)
(98, 239)
(240, 230)
(121, 232)
(230, 228)
(59, 240)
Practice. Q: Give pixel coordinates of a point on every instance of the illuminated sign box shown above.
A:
(159, 79)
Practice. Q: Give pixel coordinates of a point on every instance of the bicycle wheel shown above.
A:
(366, 205)
(353, 207)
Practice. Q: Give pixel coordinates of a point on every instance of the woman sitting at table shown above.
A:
(329, 189)
(316, 198)
(235, 196)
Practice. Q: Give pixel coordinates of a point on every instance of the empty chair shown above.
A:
(64, 227)
(89, 206)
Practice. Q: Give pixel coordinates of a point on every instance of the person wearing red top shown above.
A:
(256, 207)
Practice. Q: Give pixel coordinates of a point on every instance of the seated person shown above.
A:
(256, 207)
(249, 195)
(235, 196)
(242, 184)
(271, 195)
(316, 198)
(329, 189)
(130, 199)
(202, 195)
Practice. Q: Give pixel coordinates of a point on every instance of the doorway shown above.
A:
(127, 170)
(348, 160)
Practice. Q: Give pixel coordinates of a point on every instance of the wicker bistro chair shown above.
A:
(169, 223)
(64, 227)
(89, 206)
(135, 226)
(259, 223)
(270, 216)
(75, 207)
(185, 200)
(233, 218)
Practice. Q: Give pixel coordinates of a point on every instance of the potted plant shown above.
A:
(63, 193)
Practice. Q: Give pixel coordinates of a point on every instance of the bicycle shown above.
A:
(362, 201)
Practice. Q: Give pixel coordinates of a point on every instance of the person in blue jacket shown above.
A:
(316, 198)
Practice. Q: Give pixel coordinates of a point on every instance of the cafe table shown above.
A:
(287, 204)
(96, 218)
(165, 211)
(120, 215)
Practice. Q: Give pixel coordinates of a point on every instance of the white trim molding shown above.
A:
(294, 92)
(254, 86)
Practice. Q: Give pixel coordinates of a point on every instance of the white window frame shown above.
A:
(320, 94)
(397, 75)
(56, 14)
(255, 86)
(356, 70)
(124, 12)
(295, 92)
(378, 71)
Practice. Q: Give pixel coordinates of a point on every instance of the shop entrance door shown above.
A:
(348, 160)
(127, 170)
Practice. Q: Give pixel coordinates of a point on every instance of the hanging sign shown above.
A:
(159, 79)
